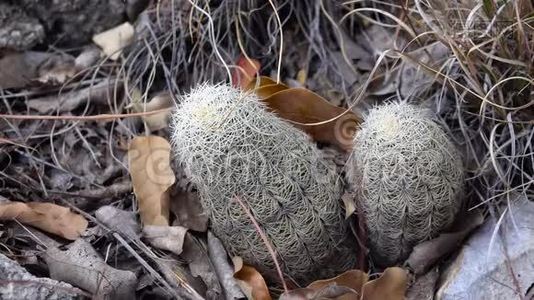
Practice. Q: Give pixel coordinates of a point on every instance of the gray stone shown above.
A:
(495, 264)
(18, 30)
(66, 23)
(17, 283)
(73, 22)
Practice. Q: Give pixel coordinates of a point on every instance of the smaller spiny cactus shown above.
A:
(408, 178)
(231, 146)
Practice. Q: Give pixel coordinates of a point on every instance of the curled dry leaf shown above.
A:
(112, 41)
(149, 159)
(299, 294)
(169, 238)
(300, 106)
(49, 217)
(264, 87)
(390, 285)
(250, 281)
(354, 285)
(246, 71)
(332, 291)
(353, 279)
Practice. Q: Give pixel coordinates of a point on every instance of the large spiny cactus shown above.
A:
(408, 177)
(231, 146)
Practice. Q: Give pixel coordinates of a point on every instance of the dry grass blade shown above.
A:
(482, 88)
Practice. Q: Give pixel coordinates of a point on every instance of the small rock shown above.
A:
(18, 30)
(483, 269)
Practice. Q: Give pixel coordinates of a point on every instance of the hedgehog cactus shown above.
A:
(408, 177)
(231, 146)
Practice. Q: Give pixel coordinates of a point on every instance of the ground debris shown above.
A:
(500, 251)
(70, 107)
(97, 93)
(17, 283)
(123, 222)
(81, 266)
(223, 269)
(22, 69)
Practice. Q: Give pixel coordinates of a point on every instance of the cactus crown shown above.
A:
(231, 146)
(408, 177)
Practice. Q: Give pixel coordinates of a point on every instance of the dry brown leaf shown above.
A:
(149, 159)
(112, 41)
(299, 105)
(156, 121)
(245, 72)
(299, 294)
(353, 279)
(331, 291)
(303, 106)
(390, 285)
(49, 217)
(354, 285)
(265, 87)
(347, 286)
(250, 281)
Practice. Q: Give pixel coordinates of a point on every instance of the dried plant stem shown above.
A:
(265, 241)
(281, 41)
(99, 117)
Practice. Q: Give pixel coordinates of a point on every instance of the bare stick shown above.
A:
(84, 118)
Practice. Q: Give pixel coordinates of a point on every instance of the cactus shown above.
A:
(231, 146)
(408, 179)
